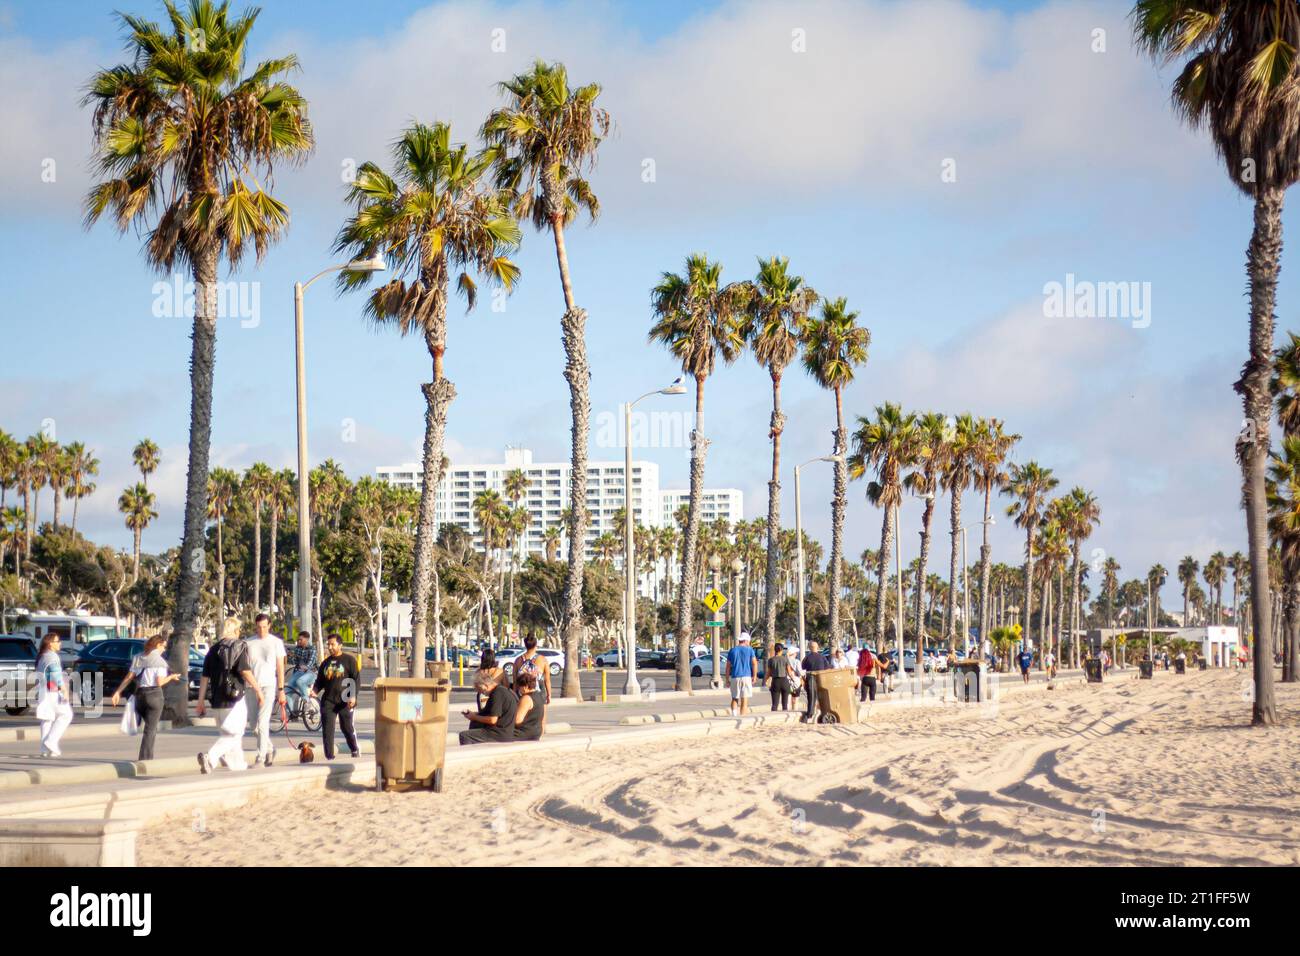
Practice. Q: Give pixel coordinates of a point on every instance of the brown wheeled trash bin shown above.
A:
(411, 729)
(835, 696)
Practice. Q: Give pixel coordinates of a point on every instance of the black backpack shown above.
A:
(229, 685)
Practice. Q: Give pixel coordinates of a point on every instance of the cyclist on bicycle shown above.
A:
(303, 659)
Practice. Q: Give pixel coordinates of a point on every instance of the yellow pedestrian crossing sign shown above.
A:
(715, 600)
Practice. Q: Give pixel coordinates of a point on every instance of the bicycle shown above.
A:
(296, 707)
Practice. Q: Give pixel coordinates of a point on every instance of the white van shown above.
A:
(78, 630)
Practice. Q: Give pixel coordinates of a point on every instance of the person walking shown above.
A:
(227, 670)
(866, 674)
(54, 699)
(813, 662)
(1049, 662)
(778, 677)
(302, 661)
(530, 712)
(266, 654)
(740, 669)
(1026, 661)
(149, 671)
(337, 682)
(495, 720)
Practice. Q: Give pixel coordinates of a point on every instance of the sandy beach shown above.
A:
(1163, 772)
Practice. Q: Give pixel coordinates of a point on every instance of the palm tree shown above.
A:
(885, 446)
(1216, 569)
(1029, 484)
(1187, 569)
(696, 318)
(40, 451)
(551, 541)
(930, 460)
(12, 523)
(1241, 79)
(1156, 578)
(258, 488)
(1240, 568)
(59, 474)
(433, 216)
(185, 143)
(545, 141)
(1082, 512)
(136, 503)
(776, 306)
(82, 465)
(280, 501)
(147, 458)
(223, 486)
(992, 445)
(516, 487)
(1109, 582)
(958, 470)
(8, 464)
(834, 346)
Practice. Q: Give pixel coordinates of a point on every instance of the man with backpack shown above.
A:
(229, 672)
(866, 674)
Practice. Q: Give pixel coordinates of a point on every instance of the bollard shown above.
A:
(462, 670)
(603, 674)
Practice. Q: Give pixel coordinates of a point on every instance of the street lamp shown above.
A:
(715, 680)
(737, 566)
(630, 686)
(798, 539)
(374, 264)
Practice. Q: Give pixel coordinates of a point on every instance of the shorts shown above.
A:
(742, 688)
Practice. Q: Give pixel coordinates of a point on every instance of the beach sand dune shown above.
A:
(1127, 773)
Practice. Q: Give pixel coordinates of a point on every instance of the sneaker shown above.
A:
(205, 765)
(270, 756)
(356, 753)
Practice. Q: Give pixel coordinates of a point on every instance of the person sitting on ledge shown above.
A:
(531, 709)
(495, 720)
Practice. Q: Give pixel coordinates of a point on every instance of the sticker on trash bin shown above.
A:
(410, 706)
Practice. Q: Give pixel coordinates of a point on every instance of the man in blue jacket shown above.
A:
(1026, 660)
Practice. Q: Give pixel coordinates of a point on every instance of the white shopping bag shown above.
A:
(47, 707)
(130, 719)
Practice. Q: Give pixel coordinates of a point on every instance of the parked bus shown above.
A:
(77, 629)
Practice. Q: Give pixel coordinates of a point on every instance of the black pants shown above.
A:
(329, 710)
(482, 735)
(148, 707)
(780, 693)
(868, 687)
(812, 696)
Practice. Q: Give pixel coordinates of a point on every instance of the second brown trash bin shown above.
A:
(835, 697)
(411, 729)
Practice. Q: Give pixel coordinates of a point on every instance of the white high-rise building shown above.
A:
(548, 495)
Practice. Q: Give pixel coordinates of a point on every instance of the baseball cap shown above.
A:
(744, 637)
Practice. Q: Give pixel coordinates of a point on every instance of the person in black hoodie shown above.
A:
(495, 720)
(337, 683)
(814, 661)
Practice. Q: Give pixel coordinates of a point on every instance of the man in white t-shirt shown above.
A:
(266, 654)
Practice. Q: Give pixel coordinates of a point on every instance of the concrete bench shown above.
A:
(35, 842)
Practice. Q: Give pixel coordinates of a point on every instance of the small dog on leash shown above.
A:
(305, 753)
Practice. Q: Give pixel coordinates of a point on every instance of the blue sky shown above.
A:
(1068, 161)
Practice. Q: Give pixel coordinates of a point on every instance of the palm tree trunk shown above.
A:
(1291, 648)
(950, 611)
(190, 578)
(690, 542)
(58, 500)
(770, 595)
(1074, 605)
(275, 530)
(926, 515)
(76, 501)
(882, 571)
(135, 556)
(221, 581)
(986, 554)
(839, 504)
(438, 396)
(1029, 583)
(257, 556)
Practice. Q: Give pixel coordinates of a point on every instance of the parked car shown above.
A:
(612, 658)
(17, 664)
(660, 660)
(455, 656)
(702, 666)
(112, 658)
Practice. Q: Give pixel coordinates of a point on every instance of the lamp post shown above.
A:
(798, 546)
(737, 566)
(715, 679)
(373, 264)
(630, 685)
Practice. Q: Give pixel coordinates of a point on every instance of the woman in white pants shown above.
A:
(54, 706)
